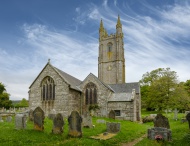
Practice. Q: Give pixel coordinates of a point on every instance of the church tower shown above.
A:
(111, 60)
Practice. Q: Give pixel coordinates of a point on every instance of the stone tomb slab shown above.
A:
(58, 124)
(104, 136)
(20, 121)
(75, 124)
(159, 133)
(39, 119)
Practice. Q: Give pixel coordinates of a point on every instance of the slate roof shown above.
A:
(125, 87)
(69, 79)
(121, 97)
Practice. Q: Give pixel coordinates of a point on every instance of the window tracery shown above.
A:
(48, 89)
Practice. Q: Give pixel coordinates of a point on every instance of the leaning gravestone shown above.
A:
(75, 122)
(161, 121)
(188, 119)
(58, 124)
(38, 119)
(112, 114)
(87, 121)
(113, 127)
(31, 116)
(9, 119)
(20, 121)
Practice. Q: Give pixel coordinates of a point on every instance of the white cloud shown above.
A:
(150, 43)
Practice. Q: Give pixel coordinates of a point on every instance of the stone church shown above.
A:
(56, 91)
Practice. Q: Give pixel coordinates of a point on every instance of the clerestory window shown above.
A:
(90, 94)
(47, 89)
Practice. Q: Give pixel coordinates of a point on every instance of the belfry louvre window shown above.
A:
(48, 89)
(109, 45)
(90, 94)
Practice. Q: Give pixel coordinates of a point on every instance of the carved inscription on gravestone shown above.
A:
(38, 119)
(112, 114)
(161, 121)
(58, 124)
(75, 122)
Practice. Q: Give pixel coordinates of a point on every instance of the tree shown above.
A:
(22, 103)
(187, 86)
(158, 88)
(4, 97)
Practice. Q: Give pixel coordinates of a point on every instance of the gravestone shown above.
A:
(188, 119)
(58, 124)
(38, 119)
(161, 121)
(9, 119)
(75, 122)
(159, 133)
(175, 114)
(100, 121)
(20, 121)
(31, 116)
(113, 127)
(87, 121)
(112, 115)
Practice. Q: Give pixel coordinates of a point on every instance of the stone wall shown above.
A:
(66, 99)
(126, 109)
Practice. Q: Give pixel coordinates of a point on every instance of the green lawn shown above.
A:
(129, 131)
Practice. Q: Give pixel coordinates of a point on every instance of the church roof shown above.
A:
(125, 87)
(121, 97)
(69, 79)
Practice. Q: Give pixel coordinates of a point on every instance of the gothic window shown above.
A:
(48, 89)
(90, 94)
(109, 47)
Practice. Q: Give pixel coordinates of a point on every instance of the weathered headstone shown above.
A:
(31, 116)
(87, 121)
(75, 122)
(38, 119)
(9, 119)
(188, 119)
(159, 133)
(113, 127)
(58, 124)
(112, 114)
(20, 121)
(161, 121)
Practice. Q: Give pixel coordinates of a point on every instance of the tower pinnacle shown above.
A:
(119, 25)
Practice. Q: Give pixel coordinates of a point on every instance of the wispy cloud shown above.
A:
(151, 41)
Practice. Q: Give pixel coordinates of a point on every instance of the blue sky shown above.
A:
(156, 34)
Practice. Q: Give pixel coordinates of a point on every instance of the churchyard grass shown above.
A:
(129, 132)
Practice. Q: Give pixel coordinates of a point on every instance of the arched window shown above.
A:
(90, 94)
(109, 45)
(48, 89)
